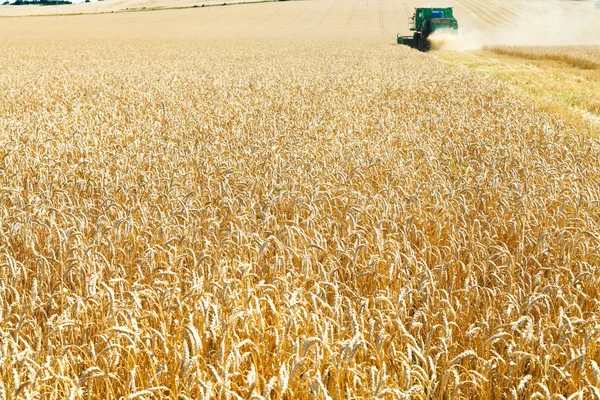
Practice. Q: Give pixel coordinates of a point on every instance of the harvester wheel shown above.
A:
(426, 44)
(423, 43)
(417, 41)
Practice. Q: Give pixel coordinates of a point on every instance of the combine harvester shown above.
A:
(424, 22)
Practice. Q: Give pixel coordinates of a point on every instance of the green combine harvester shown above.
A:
(424, 22)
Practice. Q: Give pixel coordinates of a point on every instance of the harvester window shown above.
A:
(437, 14)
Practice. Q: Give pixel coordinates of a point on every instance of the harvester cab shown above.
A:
(424, 22)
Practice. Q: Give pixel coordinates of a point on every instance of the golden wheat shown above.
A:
(288, 218)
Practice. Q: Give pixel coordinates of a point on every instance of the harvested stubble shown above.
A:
(288, 219)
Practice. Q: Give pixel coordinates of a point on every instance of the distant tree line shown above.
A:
(39, 2)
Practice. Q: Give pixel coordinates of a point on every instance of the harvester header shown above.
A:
(424, 22)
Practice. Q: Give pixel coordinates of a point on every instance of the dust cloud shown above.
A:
(540, 23)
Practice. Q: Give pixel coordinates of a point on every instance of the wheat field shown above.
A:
(338, 13)
(189, 214)
(113, 6)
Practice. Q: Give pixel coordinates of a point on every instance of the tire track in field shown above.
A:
(477, 12)
(326, 14)
(301, 12)
(381, 22)
(511, 8)
(407, 13)
(496, 12)
(501, 14)
(396, 13)
(349, 20)
(406, 9)
(269, 15)
(515, 14)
